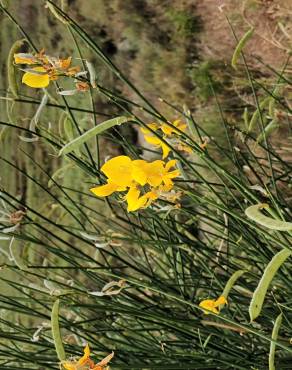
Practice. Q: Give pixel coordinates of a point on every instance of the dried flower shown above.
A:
(86, 363)
(44, 68)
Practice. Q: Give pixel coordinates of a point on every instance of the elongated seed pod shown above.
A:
(240, 46)
(77, 142)
(256, 115)
(275, 332)
(259, 294)
(232, 280)
(56, 331)
(254, 213)
(11, 70)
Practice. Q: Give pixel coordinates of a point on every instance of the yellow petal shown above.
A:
(36, 80)
(104, 190)
(173, 174)
(151, 196)
(69, 365)
(85, 357)
(181, 126)
(153, 126)
(119, 170)
(165, 150)
(168, 183)
(156, 172)
(153, 140)
(165, 188)
(170, 164)
(167, 130)
(209, 306)
(140, 171)
(220, 300)
(134, 200)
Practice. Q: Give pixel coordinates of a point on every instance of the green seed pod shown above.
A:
(256, 115)
(259, 294)
(56, 331)
(11, 70)
(254, 213)
(275, 332)
(240, 46)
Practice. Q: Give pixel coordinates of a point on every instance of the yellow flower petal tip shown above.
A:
(86, 351)
(210, 305)
(36, 80)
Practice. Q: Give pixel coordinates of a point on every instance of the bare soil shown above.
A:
(272, 20)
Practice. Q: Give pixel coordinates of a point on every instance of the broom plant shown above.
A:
(179, 257)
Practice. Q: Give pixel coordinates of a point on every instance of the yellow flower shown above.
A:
(119, 176)
(124, 174)
(139, 171)
(210, 305)
(168, 130)
(121, 172)
(85, 362)
(135, 201)
(153, 140)
(159, 173)
(40, 79)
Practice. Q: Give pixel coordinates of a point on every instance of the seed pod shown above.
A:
(259, 294)
(254, 213)
(240, 46)
(11, 70)
(275, 332)
(56, 331)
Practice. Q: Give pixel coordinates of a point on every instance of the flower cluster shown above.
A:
(42, 68)
(210, 305)
(169, 133)
(86, 363)
(144, 181)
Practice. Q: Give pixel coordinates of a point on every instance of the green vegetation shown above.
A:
(76, 268)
